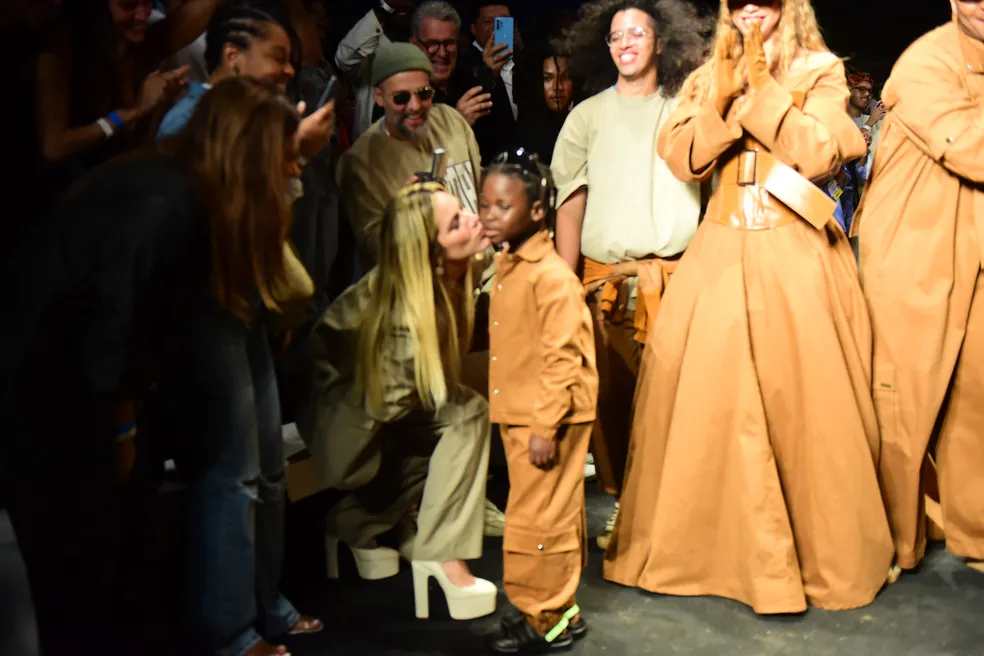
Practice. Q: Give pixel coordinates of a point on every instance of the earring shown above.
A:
(439, 269)
(235, 70)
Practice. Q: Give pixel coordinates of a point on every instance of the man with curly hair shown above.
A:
(621, 212)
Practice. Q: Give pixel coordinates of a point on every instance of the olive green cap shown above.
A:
(396, 58)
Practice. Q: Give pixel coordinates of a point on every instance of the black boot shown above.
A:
(518, 637)
(578, 628)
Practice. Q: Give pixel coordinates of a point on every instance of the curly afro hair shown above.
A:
(677, 26)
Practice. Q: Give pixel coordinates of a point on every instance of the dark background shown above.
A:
(871, 34)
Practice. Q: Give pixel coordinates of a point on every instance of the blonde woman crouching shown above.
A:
(389, 420)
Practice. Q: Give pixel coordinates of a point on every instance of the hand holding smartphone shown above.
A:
(505, 32)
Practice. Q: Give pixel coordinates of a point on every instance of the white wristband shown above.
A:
(106, 127)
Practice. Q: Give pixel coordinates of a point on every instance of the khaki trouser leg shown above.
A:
(544, 543)
(618, 355)
(960, 451)
(388, 499)
(440, 461)
(452, 511)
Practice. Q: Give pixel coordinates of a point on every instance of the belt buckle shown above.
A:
(747, 167)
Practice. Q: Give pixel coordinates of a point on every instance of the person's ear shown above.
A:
(232, 58)
(379, 97)
(538, 211)
(659, 47)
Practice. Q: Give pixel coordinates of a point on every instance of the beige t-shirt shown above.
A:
(636, 207)
(377, 166)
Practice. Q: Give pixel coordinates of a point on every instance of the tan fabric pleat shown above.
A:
(752, 466)
(544, 547)
(960, 450)
(619, 336)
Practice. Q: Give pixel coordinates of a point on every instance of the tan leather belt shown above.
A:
(752, 169)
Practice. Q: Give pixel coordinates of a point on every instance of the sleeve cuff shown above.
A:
(548, 433)
(765, 112)
(567, 190)
(714, 130)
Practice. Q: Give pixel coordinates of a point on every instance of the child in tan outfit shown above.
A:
(543, 387)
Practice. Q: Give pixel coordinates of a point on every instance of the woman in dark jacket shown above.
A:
(158, 267)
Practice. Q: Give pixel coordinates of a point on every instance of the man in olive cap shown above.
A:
(402, 143)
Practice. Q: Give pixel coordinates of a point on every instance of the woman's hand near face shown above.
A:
(729, 72)
(755, 59)
(314, 132)
(158, 88)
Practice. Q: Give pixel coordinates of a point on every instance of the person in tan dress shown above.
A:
(389, 420)
(921, 233)
(752, 468)
(544, 389)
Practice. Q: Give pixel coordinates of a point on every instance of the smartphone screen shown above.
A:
(328, 93)
(505, 32)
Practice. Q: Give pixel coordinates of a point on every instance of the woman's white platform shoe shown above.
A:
(372, 564)
(477, 600)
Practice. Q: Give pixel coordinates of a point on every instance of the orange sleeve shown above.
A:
(695, 135)
(816, 139)
(562, 313)
(926, 95)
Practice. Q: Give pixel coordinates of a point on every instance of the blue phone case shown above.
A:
(505, 32)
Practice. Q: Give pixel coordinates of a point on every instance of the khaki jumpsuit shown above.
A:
(400, 456)
(543, 381)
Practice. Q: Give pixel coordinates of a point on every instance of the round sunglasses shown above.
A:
(403, 97)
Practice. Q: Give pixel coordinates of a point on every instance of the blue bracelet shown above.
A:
(123, 430)
(115, 118)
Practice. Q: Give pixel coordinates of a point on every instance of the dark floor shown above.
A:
(936, 611)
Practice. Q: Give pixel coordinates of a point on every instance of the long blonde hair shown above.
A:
(798, 30)
(235, 147)
(408, 295)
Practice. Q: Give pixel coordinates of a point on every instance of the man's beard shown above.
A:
(413, 134)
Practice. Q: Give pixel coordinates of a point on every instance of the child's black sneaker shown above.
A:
(521, 638)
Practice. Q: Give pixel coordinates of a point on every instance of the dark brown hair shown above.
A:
(677, 28)
(235, 147)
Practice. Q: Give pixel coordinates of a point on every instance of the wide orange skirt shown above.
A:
(752, 470)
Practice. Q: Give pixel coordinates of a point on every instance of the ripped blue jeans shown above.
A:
(222, 399)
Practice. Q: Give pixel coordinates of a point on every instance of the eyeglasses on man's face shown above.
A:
(403, 97)
(632, 34)
(432, 47)
(864, 91)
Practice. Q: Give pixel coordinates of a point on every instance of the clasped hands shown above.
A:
(732, 73)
